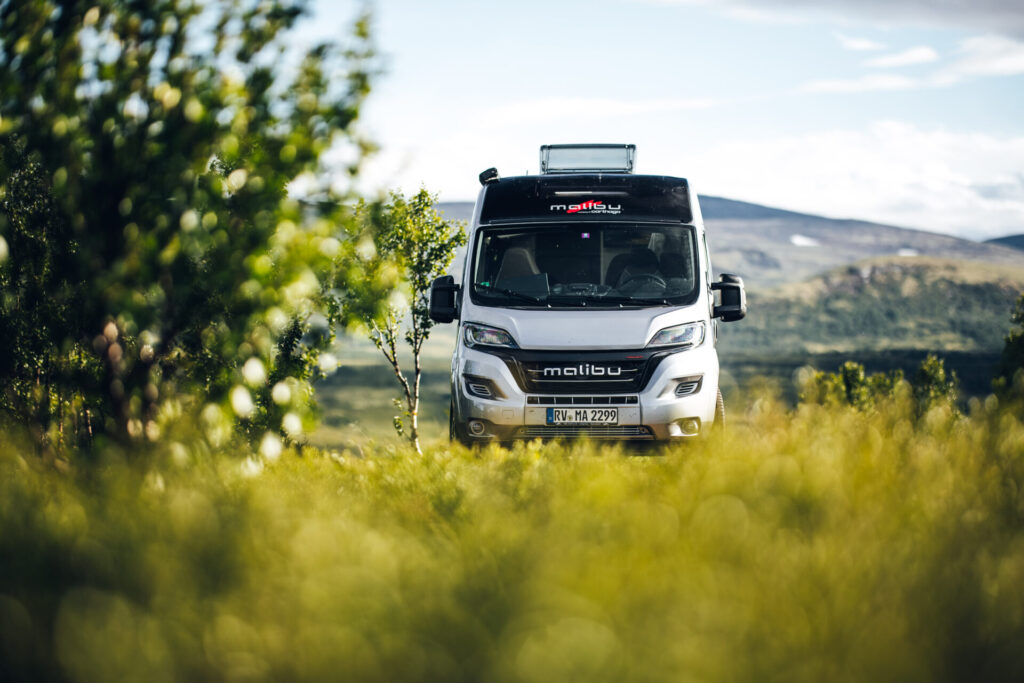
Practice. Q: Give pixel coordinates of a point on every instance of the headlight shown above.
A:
(688, 335)
(482, 335)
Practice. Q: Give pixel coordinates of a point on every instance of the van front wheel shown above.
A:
(454, 432)
(719, 409)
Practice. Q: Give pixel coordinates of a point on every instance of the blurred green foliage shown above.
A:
(824, 543)
(931, 387)
(155, 264)
(1010, 377)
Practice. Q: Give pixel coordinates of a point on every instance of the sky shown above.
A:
(904, 112)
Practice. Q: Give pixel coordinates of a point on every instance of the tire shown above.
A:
(719, 410)
(455, 433)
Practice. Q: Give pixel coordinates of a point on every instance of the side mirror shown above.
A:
(444, 299)
(733, 298)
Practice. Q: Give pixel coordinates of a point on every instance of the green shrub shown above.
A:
(1010, 377)
(851, 386)
(931, 387)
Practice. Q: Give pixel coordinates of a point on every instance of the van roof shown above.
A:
(586, 196)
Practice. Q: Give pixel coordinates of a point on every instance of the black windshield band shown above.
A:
(585, 197)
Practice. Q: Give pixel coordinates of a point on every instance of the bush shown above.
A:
(851, 386)
(1010, 377)
(930, 388)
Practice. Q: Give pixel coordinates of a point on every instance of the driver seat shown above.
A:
(516, 263)
(624, 266)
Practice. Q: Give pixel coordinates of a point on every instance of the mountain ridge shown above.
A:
(1012, 241)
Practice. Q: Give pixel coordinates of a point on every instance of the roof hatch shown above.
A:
(587, 158)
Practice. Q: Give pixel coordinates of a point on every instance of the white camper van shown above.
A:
(586, 306)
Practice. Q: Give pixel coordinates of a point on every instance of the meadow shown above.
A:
(808, 543)
(179, 239)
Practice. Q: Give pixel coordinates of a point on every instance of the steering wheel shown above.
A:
(644, 276)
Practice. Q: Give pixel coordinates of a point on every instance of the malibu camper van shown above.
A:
(586, 306)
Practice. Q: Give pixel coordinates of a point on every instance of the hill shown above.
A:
(883, 304)
(1012, 241)
(772, 247)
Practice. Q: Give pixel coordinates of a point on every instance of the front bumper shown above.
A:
(655, 412)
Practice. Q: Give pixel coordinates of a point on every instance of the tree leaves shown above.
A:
(164, 138)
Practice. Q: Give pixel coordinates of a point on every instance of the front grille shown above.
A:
(582, 372)
(562, 377)
(591, 431)
(582, 400)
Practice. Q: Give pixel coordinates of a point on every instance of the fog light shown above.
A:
(476, 427)
(690, 426)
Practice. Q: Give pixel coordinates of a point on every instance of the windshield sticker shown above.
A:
(591, 206)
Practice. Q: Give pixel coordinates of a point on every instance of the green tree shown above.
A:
(421, 244)
(161, 139)
(1010, 375)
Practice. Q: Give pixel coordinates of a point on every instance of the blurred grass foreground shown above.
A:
(824, 543)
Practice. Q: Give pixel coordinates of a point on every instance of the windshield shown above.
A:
(592, 264)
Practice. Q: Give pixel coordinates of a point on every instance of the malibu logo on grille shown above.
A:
(589, 206)
(583, 370)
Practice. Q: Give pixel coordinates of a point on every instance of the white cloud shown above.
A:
(922, 54)
(769, 16)
(964, 183)
(968, 184)
(988, 55)
(575, 108)
(858, 44)
(1002, 16)
(869, 83)
(429, 150)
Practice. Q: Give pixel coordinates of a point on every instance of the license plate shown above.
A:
(589, 416)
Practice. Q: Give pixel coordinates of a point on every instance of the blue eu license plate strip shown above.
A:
(576, 416)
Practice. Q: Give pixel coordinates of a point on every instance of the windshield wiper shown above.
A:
(660, 300)
(583, 299)
(509, 292)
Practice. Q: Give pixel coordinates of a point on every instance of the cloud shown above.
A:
(1001, 16)
(976, 57)
(868, 83)
(989, 55)
(962, 183)
(575, 108)
(909, 57)
(858, 44)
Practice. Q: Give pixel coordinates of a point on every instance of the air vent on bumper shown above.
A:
(689, 385)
